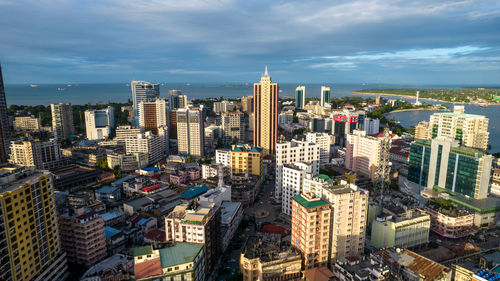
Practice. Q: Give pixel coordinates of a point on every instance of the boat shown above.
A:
(33, 85)
(61, 89)
(69, 85)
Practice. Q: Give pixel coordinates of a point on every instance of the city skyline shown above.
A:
(230, 41)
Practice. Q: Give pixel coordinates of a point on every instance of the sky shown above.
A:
(415, 42)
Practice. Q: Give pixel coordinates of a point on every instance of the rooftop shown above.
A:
(194, 191)
(106, 189)
(180, 253)
(324, 177)
(144, 250)
(111, 231)
(309, 203)
(318, 274)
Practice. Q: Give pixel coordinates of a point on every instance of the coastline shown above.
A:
(417, 109)
(414, 97)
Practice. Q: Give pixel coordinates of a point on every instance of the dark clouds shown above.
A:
(388, 41)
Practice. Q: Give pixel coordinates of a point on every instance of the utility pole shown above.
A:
(384, 169)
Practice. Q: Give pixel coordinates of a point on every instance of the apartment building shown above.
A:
(450, 223)
(62, 120)
(223, 156)
(246, 160)
(293, 176)
(233, 126)
(323, 140)
(191, 131)
(363, 154)
(26, 123)
(344, 122)
(40, 154)
(149, 143)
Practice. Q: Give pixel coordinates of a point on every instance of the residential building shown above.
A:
(246, 160)
(233, 126)
(223, 106)
(126, 132)
(265, 104)
(285, 117)
(177, 100)
(143, 91)
(323, 140)
(26, 123)
(311, 229)
(406, 230)
(266, 258)
(153, 115)
(495, 182)
(128, 162)
(292, 152)
(99, 123)
(224, 157)
(41, 154)
(247, 104)
(422, 131)
(443, 163)
(29, 235)
(344, 123)
(201, 226)
(300, 96)
(231, 216)
(364, 154)
(371, 126)
(326, 95)
(191, 131)
(5, 133)
(450, 223)
(181, 261)
(292, 181)
(82, 237)
(62, 120)
(152, 145)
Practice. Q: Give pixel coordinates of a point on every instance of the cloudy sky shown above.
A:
(381, 41)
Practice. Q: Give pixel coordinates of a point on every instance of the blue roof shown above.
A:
(107, 189)
(111, 231)
(143, 222)
(124, 179)
(151, 169)
(111, 215)
(256, 149)
(194, 191)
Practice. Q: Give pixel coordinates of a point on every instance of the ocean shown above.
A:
(24, 94)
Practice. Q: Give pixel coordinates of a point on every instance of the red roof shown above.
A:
(151, 188)
(156, 235)
(157, 176)
(271, 228)
(381, 135)
(135, 219)
(147, 269)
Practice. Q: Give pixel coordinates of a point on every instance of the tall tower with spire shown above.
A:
(4, 124)
(265, 104)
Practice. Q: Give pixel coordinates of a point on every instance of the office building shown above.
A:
(233, 126)
(422, 131)
(126, 132)
(292, 152)
(371, 126)
(181, 261)
(177, 100)
(363, 154)
(26, 123)
(40, 154)
(191, 131)
(344, 123)
(406, 230)
(469, 129)
(443, 163)
(300, 97)
(152, 145)
(200, 226)
(326, 95)
(4, 124)
(172, 124)
(99, 123)
(143, 91)
(153, 115)
(311, 229)
(29, 235)
(246, 160)
(247, 104)
(82, 237)
(323, 140)
(223, 106)
(265, 104)
(62, 120)
(292, 182)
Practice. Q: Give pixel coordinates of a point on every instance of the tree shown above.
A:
(102, 164)
(116, 171)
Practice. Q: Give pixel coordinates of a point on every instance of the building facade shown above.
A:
(344, 123)
(326, 95)
(99, 123)
(152, 145)
(5, 133)
(247, 104)
(191, 131)
(233, 126)
(143, 91)
(246, 160)
(223, 106)
(153, 115)
(265, 104)
(450, 223)
(62, 120)
(323, 140)
(40, 154)
(26, 123)
(300, 96)
(177, 100)
(371, 126)
(363, 154)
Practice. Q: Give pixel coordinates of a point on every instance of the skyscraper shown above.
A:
(191, 131)
(62, 120)
(233, 126)
(143, 91)
(177, 100)
(300, 96)
(153, 115)
(99, 123)
(265, 105)
(4, 123)
(247, 104)
(325, 95)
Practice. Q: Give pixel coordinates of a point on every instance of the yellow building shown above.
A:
(29, 233)
(246, 160)
(265, 104)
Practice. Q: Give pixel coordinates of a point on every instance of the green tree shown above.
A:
(102, 164)
(116, 171)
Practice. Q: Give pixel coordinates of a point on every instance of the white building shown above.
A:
(371, 126)
(223, 156)
(153, 145)
(143, 91)
(62, 120)
(293, 175)
(41, 154)
(99, 123)
(208, 171)
(291, 152)
(326, 96)
(323, 140)
(26, 123)
(224, 106)
(126, 132)
(285, 117)
(128, 162)
(191, 131)
(363, 154)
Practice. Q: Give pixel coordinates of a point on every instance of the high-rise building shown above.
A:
(300, 96)
(82, 237)
(265, 104)
(371, 126)
(40, 154)
(125, 132)
(172, 124)
(153, 145)
(247, 104)
(26, 123)
(153, 115)
(323, 140)
(99, 123)
(443, 163)
(191, 131)
(292, 152)
(292, 181)
(29, 235)
(469, 129)
(246, 160)
(344, 123)
(364, 154)
(326, 95)
(311, 229)
(4, 124)
(422, 131)
(233, 126)
(177, 100)
(143, 91)
(62, 120)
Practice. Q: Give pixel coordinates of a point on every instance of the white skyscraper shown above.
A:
(143, 91)
(191, 131)
(325, 95)
(99, 122)
(323, 140)
(300, 96)
(62, 120)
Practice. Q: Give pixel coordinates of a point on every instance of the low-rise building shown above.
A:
(115, 240)
(128, 162)
(450, 222)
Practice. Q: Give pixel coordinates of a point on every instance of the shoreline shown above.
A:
(414, 97)
(417, 109)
